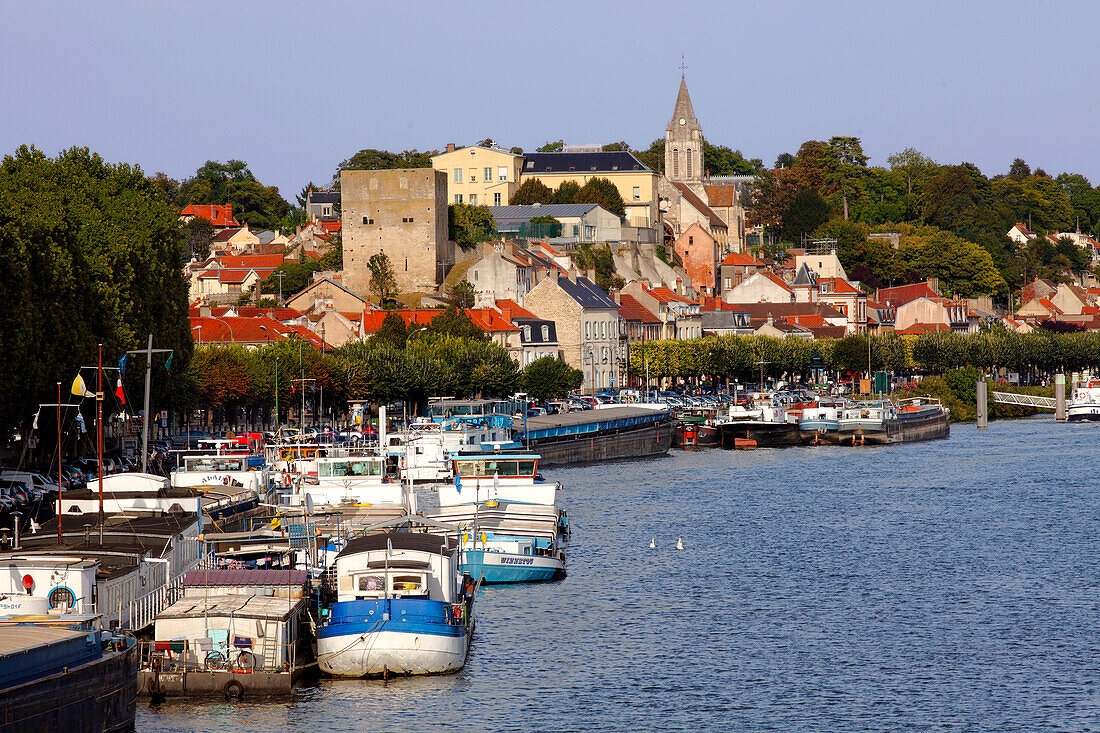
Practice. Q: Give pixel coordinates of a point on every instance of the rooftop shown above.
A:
(599, 162)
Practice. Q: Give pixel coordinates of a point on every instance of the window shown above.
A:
(689, 163)
(458, 175)
(527, 334)
(406, 220)
(675, 163)
(473, 175)
(587, 330)
(326, 211)
(496, 199)
(691, 239)
(545, 333)
(368, 221)
(403, 182)
(637, 193)
(502, 173)
(473, 199)
(458, 198)
(487, 174)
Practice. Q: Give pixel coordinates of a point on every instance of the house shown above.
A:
(821, 319)
(763, 286)
(224, 278)
(234, 240)
(325, 294)
(690, 209)
(823, 265)
(698, 251)
(938, 314)
(587, 324)
(506, 271)
(403, 214)
(538, 337)
(220, 216)
(846, 298)
(736, 266)
(783, 329)
(679, 316)
(636, 183)
(500, 330)
(479, 176)
(250, 332)
(1020, 234)
(900, 295)
(323, 205)
(576, 223)
(722, 319)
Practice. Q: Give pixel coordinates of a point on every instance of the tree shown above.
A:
(914, 168)
(599, 258)
(259, 206)
(470, 224)
(463, 294)
(455, 322)
(531, 191)
(603, 192)
(393, 330)
(621, 146)
(784, 160)
(383, 283)
(89, 254)
(197, 236)
(566, 192)
(719, 160)
(808, 211)
(370, 159)
(551, 147)
(550, 378)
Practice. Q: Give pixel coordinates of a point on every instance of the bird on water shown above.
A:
(679, 543)
(653, 544)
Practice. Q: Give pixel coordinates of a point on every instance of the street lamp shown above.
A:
(199, 327)
(410, 334)
(590, 358)
(222, 320)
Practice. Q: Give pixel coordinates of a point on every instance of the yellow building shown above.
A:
(479, 176)
(637, 184)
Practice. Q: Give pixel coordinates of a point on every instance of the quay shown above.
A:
(601, 434)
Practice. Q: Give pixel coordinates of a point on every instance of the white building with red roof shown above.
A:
(220, 216)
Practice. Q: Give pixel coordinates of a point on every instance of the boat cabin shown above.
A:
(504, 466)
(397, 565)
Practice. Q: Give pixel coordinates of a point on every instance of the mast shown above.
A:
(59, 463)
(99, 430)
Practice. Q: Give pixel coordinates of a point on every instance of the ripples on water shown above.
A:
(945, 586)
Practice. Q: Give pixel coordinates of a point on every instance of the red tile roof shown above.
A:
(840, 285)
(721, 194)
(1045, 302)
(697, 203)
(486, 319)
(666, 295)
(237, 330)
(713, 303)
(631, 310)
(219, 216)
(331, 226)
(508, 306)
(742, 259)
(903, 294)
(255, 261)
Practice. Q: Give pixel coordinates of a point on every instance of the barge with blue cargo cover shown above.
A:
(63, 672)
(600, 434)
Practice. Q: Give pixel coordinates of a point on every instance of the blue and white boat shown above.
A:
(512, 528)
(821, 422)
(403, 606)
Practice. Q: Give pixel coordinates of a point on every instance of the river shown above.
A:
(948, 586)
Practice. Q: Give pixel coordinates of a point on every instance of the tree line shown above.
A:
(741, 358)
(831, 179)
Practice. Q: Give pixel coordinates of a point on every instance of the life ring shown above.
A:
(233, 689)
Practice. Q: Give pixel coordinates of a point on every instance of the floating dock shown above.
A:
(601, 434)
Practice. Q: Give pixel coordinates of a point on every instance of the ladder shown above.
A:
(269, 656)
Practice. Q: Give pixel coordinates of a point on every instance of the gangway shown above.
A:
(1025, 400)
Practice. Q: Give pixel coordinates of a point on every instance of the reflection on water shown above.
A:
(950, 585)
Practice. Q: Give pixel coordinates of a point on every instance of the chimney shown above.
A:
(591, 274)
(615, 296)
(571, 273)
(506, 313)
(679, 285)
(204, 311)
(450, 147)
(934, 283)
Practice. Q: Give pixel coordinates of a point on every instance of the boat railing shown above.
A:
(205, 654)
(143, 611)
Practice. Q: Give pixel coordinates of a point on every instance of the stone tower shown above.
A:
(684, 141)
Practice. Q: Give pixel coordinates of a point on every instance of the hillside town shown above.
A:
(680, 262)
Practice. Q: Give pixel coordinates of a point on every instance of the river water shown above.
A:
(947, 586)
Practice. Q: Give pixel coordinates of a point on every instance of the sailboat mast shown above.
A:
(59, 463)
(99, 429)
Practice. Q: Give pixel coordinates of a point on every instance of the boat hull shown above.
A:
(918, 425)
(506, 567)
(1083, 413)
(766, 434)
(362, 653)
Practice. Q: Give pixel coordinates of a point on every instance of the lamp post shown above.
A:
(410, 334)
(222, 320)
(590, 358)
(199, 327)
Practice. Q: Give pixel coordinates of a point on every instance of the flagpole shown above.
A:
(145, 422)
(99, 430)
(59, 463)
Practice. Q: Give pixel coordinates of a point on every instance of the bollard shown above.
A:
(983, 402)
(1060, 397)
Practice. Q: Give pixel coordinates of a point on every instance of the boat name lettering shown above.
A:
(517, 561)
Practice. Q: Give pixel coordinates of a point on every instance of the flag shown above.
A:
(293, 389)
(79, 389)
(122, 365)
(34, 426)
(168, 363)
(120, 393)
(80, 422)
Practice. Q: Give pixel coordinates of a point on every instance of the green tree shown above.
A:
(600, 259)
(259, 206)
(383, 283)
(566, 192)
(914, 168)
(371, 159)
(719, 160)
(455, 322)
(393, 330)
(531, 191)
(463, 294)
(551, 147)
(470, 224)
(603, 192)
(550, 378)
(197, 236)
(808, 211)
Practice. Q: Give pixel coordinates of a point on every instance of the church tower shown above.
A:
(684, 141)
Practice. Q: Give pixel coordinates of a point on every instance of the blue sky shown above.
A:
(294, 88)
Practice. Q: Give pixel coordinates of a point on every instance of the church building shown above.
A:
(688, 197)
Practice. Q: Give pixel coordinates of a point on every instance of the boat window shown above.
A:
(408, 583)
(349, 468)
(372, 583)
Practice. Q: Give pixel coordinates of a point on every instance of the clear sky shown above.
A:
(294, 88)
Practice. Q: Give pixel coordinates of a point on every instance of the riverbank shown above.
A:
(958, 392)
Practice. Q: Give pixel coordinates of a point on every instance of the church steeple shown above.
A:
(684, 141)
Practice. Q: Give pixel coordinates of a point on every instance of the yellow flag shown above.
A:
(79, 389)
(275, 523)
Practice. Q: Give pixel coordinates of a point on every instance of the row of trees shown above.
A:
(230, 381)
(597, 190)
(742, 357)
(827, 179)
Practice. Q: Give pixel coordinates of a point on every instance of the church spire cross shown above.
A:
(683, 66)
